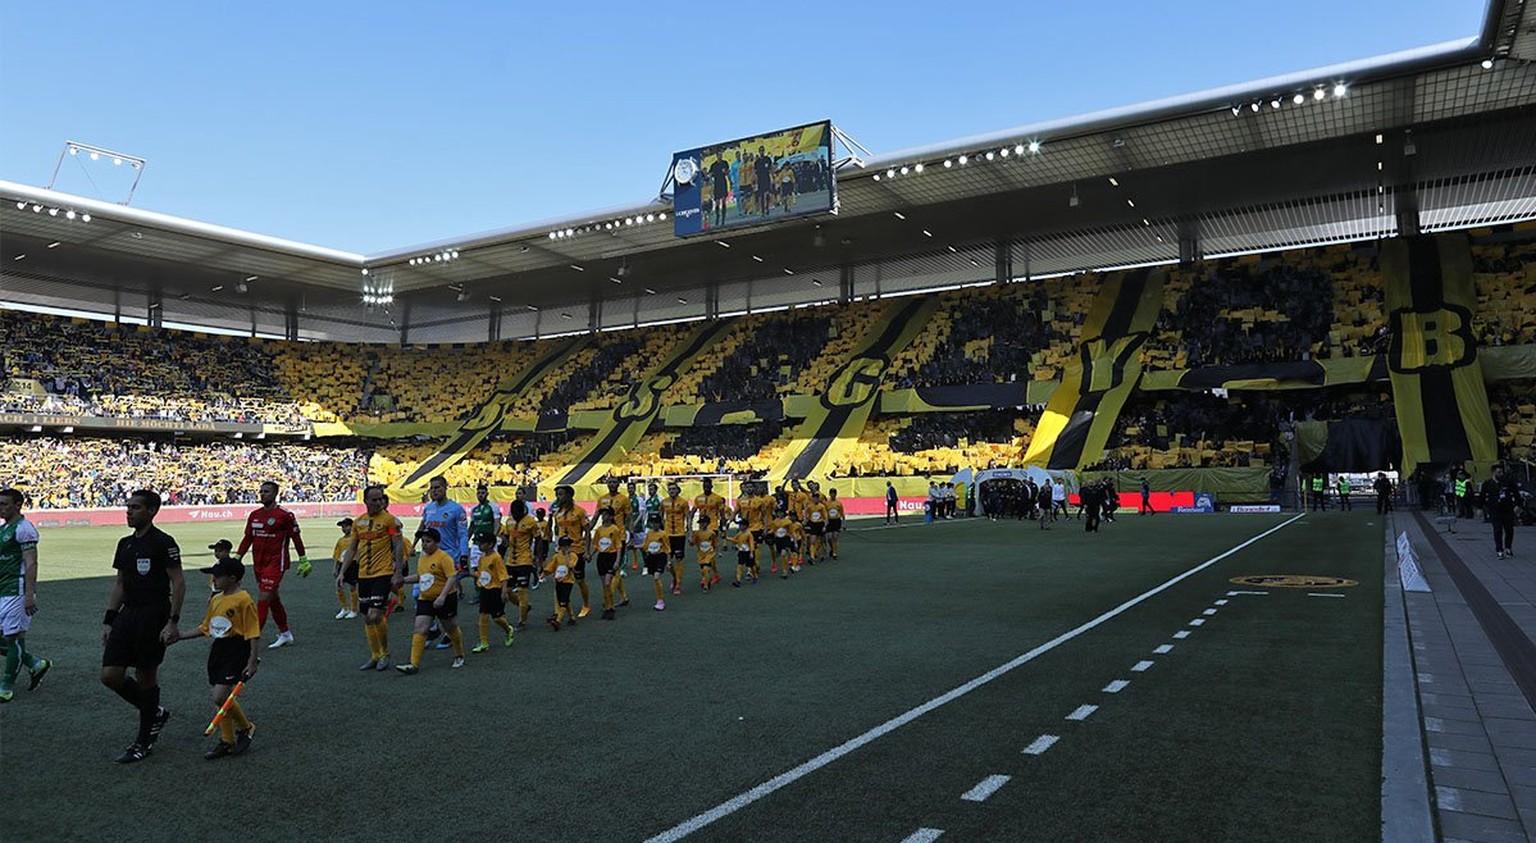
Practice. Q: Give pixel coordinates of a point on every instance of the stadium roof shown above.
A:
(1340, 153)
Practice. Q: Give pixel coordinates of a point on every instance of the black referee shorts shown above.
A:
(135, 639)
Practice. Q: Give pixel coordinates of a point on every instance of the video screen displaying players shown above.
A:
(754, 180)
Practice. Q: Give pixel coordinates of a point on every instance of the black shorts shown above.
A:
(521, 576)
(706, 564)
(135, 639)
(677, 543)
(834, 525)
(607, 563)
(744, 557)
(579, 570)
(816, 529)
(373, 592)
(655, 563)
(227, 659)
(541, 549)
(450, 607)
(563, 593)
(348, 576)
(491, 602)
(757, 535)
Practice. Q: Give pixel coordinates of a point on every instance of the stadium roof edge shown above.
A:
(152, 219)
(1390, 64)
(498, 236)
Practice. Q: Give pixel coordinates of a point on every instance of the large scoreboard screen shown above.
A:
(753, 181)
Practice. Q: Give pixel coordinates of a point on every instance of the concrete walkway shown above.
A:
(1474, 662)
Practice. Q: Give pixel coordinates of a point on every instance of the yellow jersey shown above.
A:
(341, 547)
(435, 571)
(619, 503)
(520, 535)
(541, 530)
(816, 512)
(561, 566)
(608, 539)
(712, 505)
(706, 541)
(780, 528)
(760, 513)
(744, 541)
(798, 501)
(835, 511)
(375, 535)
(490, 571)
(231, 616)
(655, 543)
(674, 514)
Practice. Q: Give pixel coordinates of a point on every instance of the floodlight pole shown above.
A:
(74, 148)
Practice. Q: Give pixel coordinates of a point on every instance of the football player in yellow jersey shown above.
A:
(620, 505)
(798, 499)
(571, 522)
(519, 530)
(746, 553)
(796, 543)
(231, 622)
(379, 550)
(674, 513)
(781, 541)
(491, 578)
(541, 537)
(562, 566)
(835, 516)
(436, 575)
(714, 506)
(653, 549)
(706, 542)
(816, 526)
(346, 571)
(758, 514)
(608, 548)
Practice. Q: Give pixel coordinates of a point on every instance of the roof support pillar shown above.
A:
(595, 314)
(845, 283)
(1190, 250)
(1405, 195)
(405, 321)
(712, 300)
(291, 321)
(1002, 261)
(493, 323)
(155, 309)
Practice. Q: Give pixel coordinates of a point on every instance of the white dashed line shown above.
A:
(924, 835)
(1254, 593)
(1041, 744)
(1222, 602)
(1082, 712)
(1116, 686)
(1166, 648)
(1183, 633)
(1209, 612)
(1141, 666)
(1197, 622)
(984, 788)
(1314, 594)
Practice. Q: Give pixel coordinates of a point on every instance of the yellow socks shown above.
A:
(457, 637)
(522, 605)
(227, 729)
(418, 646)
(608, 594)
(341, 598)
(656, 581)
(235, 716)
(485, 629)
(618, 588)
(501, 622)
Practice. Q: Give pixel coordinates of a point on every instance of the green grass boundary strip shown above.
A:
(741, 800)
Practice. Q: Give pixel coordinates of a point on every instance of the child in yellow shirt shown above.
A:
(562, 566)
(491, 580)
(231, 622)
(705, 540)
(654, 551)
(437, 577)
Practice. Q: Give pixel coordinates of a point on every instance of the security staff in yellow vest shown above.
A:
(1343, 487)
(1319, 499)
(1463, 494)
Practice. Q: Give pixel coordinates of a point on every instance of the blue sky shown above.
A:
(367, 126)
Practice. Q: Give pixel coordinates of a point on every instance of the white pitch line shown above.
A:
(1254, 593)
(1041, 744)
(984, 788)
(1141, 666)
(1222, 602)
(1164, 649)
(1314, 594)
(1209, 612)
(1197, 622)
(1183, 633)
(924, 835)
(1116, 686)
(784, 779)
(1082, 712)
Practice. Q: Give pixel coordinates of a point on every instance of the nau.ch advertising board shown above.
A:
(754, 181)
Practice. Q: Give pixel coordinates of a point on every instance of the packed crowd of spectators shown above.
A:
(618, 352)
(1245, 312)
(98, 472)
(774, 349)
(939, 444)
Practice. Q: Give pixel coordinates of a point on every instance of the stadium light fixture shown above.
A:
(917, 167)
(1274, 103)
(891, 173)
(1034, 147)
(37, 209)
(788, 271)
(365, 270)
(948, 163)
(899, 215)
(951, 248)
(649, 291)
(85, 217)
(927, 233)
(1298, 99)
(70, 214)
(1487, 64)
(578, 267)
(1339, 90)
(1003, 152)
(681, 300)
(1113, 182)
(964, 160)
(905, 170)
(21, 206)
(19, 257)
(815, 282)
(877, 176)
(54, 245)
(757, 258)
(216, 288)
(990, 156)
(1254, 107)
(1319, 93)
(1236, 110)
(1018, 149)
(1131, 202)
(496, 299)
(722, 244)
(532, 308)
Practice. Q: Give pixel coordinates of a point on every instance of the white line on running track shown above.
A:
(747, 797)
(984, 788)
(1116, 686)
(1222, 602)
(1183, 633)
(1209, 612)
(924, 835)
(1166, 648)
(1041, 744)
(1082, 712)
(1197, 622)
(1314, 594)
(1141, 666)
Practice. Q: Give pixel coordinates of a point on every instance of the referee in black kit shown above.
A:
(141, 617)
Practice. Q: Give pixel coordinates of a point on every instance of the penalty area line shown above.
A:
(747, 797)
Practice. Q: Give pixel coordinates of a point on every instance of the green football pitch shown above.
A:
(989, 681)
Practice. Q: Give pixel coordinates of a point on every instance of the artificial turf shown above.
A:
(1263, 724)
